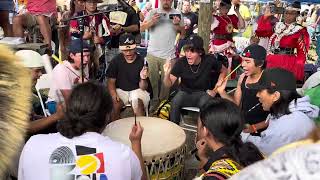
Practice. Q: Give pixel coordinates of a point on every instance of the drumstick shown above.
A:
(195, 149)
(226, 78)
(135, 116)
(254, 107)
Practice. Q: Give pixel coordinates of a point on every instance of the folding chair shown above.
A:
(43, 83)
(193, 127)
(187, 126)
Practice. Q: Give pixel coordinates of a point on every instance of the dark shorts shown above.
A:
(6, 5)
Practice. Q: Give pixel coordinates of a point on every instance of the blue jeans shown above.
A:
(184, 99)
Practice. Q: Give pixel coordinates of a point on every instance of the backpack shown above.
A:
(163, 110)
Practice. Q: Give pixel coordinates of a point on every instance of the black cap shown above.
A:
(195, 42)
(127, 41)
(275, 79)
(256, 52)
(75, 46)
(295, 6)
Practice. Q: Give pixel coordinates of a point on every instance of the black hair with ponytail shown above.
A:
(88, 110)
(224, 121)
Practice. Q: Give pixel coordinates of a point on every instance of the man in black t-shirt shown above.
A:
(128, 79)
(196, 71)
(132, 25)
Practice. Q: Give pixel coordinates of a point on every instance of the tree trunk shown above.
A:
(204, 22)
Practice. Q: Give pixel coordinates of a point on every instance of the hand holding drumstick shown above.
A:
(222, 85)
(135, 138)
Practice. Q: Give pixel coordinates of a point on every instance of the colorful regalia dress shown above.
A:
(288, 48)
(222, 33)
(264, 31)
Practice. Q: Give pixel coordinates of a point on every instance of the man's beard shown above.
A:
(166, 6)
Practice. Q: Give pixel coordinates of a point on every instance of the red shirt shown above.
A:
(221, 29)
(265, 26)
(41, 6)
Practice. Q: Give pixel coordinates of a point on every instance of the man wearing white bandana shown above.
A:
(289, 44)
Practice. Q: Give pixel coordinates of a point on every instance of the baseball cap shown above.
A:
(194, 41)
(275, 79)
(75, 46)
(127, 42)
(256, 52)
(30, 59)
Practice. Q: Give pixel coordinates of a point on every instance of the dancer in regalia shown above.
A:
(289, 45)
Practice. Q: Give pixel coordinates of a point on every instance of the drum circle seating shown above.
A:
(163, 145)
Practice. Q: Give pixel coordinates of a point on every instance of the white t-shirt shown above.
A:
(89, 156)
(64, 77)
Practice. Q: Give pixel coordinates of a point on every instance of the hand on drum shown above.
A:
(136, 133)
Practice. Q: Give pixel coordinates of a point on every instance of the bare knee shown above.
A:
(42, 20)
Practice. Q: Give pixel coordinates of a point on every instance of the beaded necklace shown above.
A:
(282, 30)
(229, 27)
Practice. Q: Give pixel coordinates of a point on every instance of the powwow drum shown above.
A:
(163, 145)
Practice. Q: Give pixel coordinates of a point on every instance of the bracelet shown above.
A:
(254, 128)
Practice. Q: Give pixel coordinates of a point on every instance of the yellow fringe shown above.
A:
(15, 99)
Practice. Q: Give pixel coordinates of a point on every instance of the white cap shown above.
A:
(30, 59)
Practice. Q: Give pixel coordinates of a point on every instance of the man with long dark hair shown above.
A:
(220, 149)
(195, 70)
(291, 116)
(79, 150)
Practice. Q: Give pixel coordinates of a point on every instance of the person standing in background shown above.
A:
(37, 12)
(190, 20)
(288, 46)
(164, 24)
(265, 26)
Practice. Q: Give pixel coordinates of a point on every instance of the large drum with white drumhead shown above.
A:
(163, 145)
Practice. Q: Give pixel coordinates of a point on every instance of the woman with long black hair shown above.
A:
(291, 116)
(220, 148)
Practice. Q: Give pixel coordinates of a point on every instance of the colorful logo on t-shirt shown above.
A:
(84, 164)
